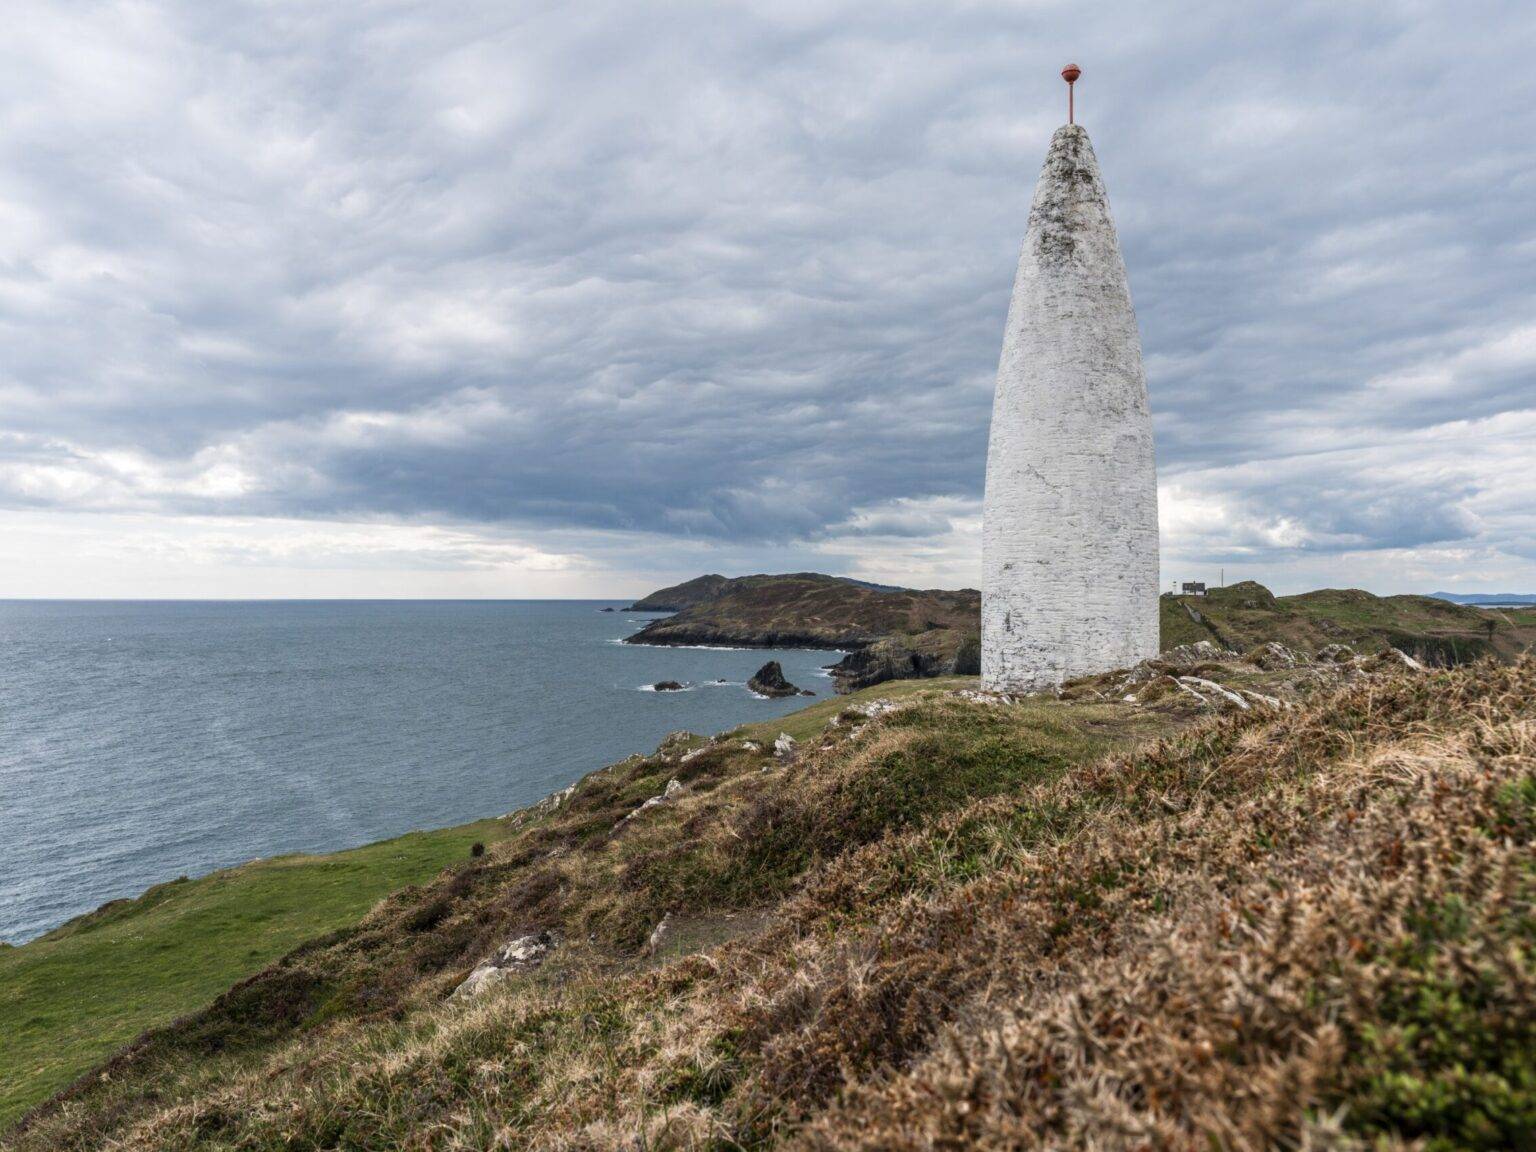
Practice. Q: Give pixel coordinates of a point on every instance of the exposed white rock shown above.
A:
(551, 803)
(658, 934)
(1185, 687)
(1273, 655)
(1193, 655)
(1401, 657)
(874, 708)
(1184, 656)
(1268, 701)
(556, 800)
(976, 697)
(674, 743)
(674, 786)
(1142, 673)
(751, 745)
(1210, 687)
(784, 746)
(1069, 538)
(518, 955)
(1335, 654)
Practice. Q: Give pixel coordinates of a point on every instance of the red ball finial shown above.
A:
(1070, 74)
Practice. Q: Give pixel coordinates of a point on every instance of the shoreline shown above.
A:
(309, 739)
(176, 946)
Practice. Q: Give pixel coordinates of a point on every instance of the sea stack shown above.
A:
(1069, 536)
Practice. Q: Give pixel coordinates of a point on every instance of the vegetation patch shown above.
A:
(71, 998)
(947, 921)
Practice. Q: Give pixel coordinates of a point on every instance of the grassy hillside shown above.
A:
(950, 922)
(71, 998)
(1435, 631)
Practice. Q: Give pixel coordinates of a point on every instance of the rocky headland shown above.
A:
(887, 633)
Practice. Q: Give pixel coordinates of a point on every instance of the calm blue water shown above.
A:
(143, 741)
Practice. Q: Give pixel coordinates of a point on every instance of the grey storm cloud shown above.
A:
(739, 272)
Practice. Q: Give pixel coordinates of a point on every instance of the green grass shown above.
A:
(1177, 626)
(69, 999)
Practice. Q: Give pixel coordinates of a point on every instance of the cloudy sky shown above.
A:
(546, 299)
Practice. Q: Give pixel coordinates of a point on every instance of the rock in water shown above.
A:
(667, 686)
(1069, 538)
(769, 681)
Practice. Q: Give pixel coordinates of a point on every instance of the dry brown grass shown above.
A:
(1310, 928)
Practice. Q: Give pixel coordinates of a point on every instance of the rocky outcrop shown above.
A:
(942, 653)
(1190, 655)
(674, 744)
(769, 681)
(665, 796)
(1395, 658)
(1205, 690)
(521, 954)
(667, 686)
(1272, 657)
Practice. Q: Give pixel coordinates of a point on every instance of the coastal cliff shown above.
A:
(888, 633)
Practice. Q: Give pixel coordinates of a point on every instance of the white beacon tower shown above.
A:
(1069, 536)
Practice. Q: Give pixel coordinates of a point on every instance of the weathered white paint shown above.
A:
(1069, 539)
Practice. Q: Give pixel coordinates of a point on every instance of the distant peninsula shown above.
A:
(1488, 599)
(887, 633)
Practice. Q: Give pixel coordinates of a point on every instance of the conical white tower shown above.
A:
(1069, 538)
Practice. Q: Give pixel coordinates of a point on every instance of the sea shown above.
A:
(142, 741)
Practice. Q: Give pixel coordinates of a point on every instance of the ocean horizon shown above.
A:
(142, 740)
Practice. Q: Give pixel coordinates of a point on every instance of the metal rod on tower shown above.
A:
(1070, 74)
